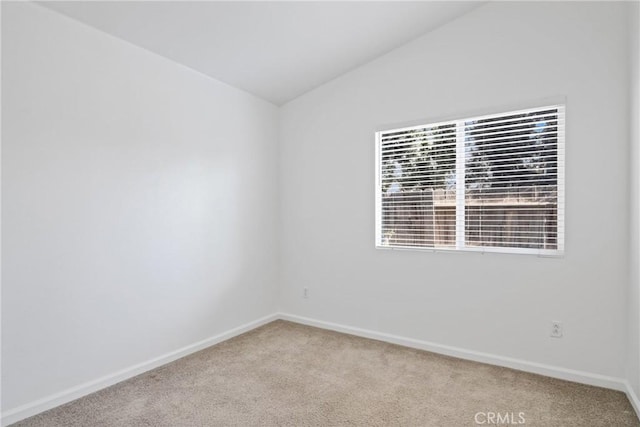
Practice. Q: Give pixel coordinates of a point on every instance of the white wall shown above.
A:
(633, 353)
(140, 199)
(138, 205)
(500, 54)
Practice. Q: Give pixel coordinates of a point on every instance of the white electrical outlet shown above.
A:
(556, 329)
(305, 293)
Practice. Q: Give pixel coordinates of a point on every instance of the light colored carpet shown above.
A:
(285, 374)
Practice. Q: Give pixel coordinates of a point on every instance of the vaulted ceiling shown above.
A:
(274, 50)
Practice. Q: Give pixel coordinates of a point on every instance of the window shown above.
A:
(491, 183)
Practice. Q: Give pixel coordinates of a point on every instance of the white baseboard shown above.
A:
(633, 398)
(65, 396)
(492, 359)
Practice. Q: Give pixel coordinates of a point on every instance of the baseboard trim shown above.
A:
(68, 395)
(582, 377)
(73, 393)
(633, 397)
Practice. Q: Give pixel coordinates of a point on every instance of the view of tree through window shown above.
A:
(417, 164)
(509, 167)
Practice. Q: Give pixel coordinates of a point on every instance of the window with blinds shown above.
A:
(489, 183)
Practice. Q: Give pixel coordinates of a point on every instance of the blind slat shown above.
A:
(468, 123)
(511, 183)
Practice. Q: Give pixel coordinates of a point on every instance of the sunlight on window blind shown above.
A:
(491, 183)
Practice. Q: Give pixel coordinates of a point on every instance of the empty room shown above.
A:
(320, 213)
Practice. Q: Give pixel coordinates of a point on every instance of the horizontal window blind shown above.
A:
(489, 183)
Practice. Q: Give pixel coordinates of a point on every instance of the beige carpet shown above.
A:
(284, 374)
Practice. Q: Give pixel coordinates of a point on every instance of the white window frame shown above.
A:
(460, 189)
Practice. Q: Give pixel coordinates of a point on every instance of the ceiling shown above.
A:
(274, 50)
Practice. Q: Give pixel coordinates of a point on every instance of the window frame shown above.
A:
(559, 104)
